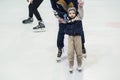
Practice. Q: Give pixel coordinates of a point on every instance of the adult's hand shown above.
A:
(30, 1)
(80, 3)
(61, 20)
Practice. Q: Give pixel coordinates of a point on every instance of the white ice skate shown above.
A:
(58, 59)
(71, 70)
(79, 68)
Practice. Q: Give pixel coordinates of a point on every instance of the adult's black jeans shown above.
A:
(33, 9)
(60, 36)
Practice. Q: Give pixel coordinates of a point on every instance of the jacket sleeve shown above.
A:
(53, 4)
(55, 8)
(75, 4)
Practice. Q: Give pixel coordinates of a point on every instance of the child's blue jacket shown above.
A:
(74, 28)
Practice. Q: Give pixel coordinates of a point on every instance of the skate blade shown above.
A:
(27, 22)
(39, 30)
(58, 59)
(79, 70)
(84, 56)
(71, 72)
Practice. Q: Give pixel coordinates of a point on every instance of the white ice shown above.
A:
(26, 55)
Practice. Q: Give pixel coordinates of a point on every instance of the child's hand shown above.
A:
(75, 19)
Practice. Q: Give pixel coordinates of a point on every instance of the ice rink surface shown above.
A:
(27, 55)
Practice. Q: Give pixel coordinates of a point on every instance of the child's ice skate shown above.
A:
(79, 68)
(71, 69)
(27, 21)
(40, 27)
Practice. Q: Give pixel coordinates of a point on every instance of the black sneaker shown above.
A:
(26, 21)
(40, 26)
(59, 55)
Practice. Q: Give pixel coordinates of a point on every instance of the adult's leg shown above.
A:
(33, 9)
(60, 37)
(82, 39)
(30, 7)
(60, 40)
(40, 26)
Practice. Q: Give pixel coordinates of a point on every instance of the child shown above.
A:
(74, 30)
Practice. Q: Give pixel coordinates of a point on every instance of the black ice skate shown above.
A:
(59, 55)
(40, 27)
(84, 53)
(26, 21)
(84, 50)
